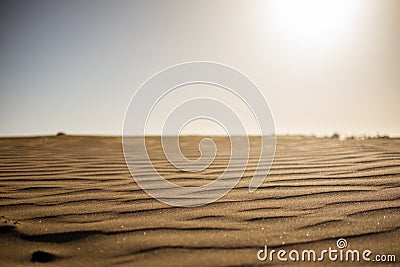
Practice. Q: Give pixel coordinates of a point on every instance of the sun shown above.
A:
(313, 21)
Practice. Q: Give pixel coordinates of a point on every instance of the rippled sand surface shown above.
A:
(71, 201)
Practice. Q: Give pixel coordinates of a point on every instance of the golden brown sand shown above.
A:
(71, 201)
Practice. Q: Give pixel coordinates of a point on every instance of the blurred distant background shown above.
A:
(323, 66)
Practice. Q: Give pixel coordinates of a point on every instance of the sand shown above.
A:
(71, 201)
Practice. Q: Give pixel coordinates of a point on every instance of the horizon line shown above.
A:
(333, 135)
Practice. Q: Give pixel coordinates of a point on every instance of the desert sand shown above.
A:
(71, 201)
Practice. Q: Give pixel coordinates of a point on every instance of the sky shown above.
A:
(323, 66)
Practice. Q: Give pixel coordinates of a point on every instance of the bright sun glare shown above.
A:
(313, 21)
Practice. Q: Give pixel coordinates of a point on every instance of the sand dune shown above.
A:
(71, 201)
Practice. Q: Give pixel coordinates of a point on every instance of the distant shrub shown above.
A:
(335, 136)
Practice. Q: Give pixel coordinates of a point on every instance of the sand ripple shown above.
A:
(71, 201)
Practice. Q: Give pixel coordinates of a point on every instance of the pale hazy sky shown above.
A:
(323, 66)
